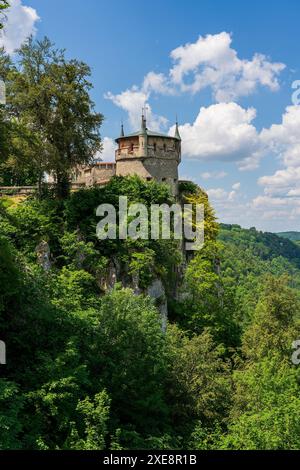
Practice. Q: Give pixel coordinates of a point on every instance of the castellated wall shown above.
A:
(149, 168)
(128, 147)
(98, 173)
(148, 156)
(158, 161)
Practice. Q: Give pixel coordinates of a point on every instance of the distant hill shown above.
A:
(293, 236)
(263, 245)
(248, 255)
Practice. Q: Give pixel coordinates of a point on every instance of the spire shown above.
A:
(122, 130)
(143, 124)
(177, 135)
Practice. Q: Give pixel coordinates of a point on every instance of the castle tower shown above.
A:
(150, 155)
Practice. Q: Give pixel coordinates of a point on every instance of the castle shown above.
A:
(150, 155)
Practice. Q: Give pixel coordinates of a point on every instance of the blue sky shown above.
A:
(226, 69)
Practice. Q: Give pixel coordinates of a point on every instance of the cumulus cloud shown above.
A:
(220, 195)
(280, 200)
(282, 189)
(284, 138)
(20, 24)
(212, 62)
(132, 101)
(279, 205)
(264, 202)
(281, 182)
(208, 62)
(222, 131)
(213, 175)
(225, 131)
(108, 151)
(158, 83)
(280, 210)
(231, 206)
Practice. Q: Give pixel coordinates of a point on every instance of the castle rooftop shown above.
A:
(144, 130)
(149, 134)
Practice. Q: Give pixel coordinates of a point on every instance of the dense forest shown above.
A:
(93, 369)
(293, 236)
(89, 363)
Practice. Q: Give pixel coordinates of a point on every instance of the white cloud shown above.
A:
(230, 208)
(213, 175)
(281, 199)
(281, 182)
(284, 138)
(282, 189)
(265, 202)
(19, 26)
(279, 210)
(294, 192)
(217, 194)
(223, 132)
(279, 205)
(158, 83)
(132, 101)
(108, 152)
(211, 62)
(208, 62)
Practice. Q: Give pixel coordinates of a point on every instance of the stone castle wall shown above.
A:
(145, 154)
(151, 158)
(98, 173)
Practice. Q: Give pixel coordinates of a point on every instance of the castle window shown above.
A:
(175, 180)
(163, 179)
(131, 147)
(154, 146)
(149, 178)
(165, 147)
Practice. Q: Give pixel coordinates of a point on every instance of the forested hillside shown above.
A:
(293, 236)
(91, 368)
(249, 255)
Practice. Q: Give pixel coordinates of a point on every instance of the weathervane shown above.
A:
(144, 110)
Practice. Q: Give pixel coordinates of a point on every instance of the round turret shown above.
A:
(150, 155)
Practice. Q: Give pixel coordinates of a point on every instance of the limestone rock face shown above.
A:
(43, 255)
(136, 284)
(157, 291)
(112, 275)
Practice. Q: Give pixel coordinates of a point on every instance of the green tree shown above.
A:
(265, 412)
(11, 403)
(200, 386)
(205, 301)
(5, 113)
(51, 94)
(4, 4)
(95, 415)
